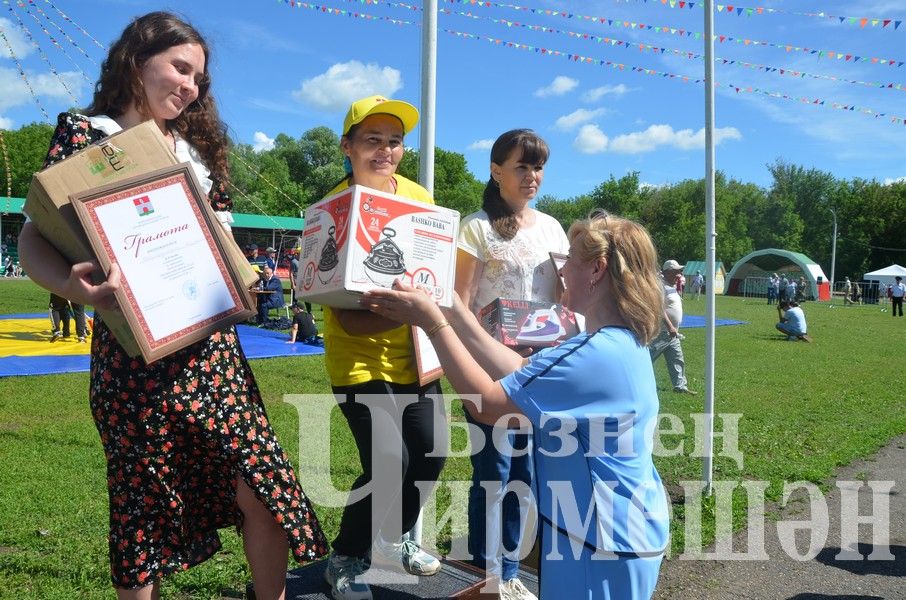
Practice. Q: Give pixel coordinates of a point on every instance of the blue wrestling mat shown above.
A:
(692, 321)
(25, 347)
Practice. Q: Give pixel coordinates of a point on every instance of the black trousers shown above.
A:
(897, 302)
(404, 435)
(59, 314)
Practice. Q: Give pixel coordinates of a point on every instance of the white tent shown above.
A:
(886, 275)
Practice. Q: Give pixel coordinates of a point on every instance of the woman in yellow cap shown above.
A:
(367, 354)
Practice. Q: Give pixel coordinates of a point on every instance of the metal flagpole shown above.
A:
(426, 129)
(429, 90)
(710, 235)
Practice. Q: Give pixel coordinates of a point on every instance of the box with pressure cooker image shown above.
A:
(361, 238)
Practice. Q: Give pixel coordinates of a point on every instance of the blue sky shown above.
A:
(282, 69)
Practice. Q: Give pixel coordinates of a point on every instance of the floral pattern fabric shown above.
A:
(177, 433)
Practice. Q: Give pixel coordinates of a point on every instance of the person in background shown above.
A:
(274, 299)
(782, 288)
(303, 329)
(791, 290)
(801, 290)
(270, 257)
(172, 482)
(897, 291)
(669, 340)
(59, 314)
(504, 252)
(847, 291)
(792, 322)
(698, 282)
(613, 552)
(773, 288)
(369, 355)
(681, 284)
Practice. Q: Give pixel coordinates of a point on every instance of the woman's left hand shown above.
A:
(403, 304)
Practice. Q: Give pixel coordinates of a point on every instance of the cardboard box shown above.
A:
(527, 324)
(360, 239)
(130, 152)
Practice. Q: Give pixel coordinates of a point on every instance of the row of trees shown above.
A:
(794, 213)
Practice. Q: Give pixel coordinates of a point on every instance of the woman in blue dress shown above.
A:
(592, 402)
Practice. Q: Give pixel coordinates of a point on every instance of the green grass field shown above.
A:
(805, 409)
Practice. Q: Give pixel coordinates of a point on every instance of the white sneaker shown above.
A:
(515, 590)
(414, 560)
(341, 573)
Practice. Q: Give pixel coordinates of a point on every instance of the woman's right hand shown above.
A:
(80, 289)
(403, 304)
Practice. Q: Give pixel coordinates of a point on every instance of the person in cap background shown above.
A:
(668, 342)
(366, 353)
(270, 257)
(251, 254)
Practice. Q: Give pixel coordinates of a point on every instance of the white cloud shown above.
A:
(664, 135)
(591, 140)
(6, 123)
(599, 92)
(481, 145)
(344, 83)
(559, 86)
(17, 41)
(577, 117)
(644, 185)
(262, 142)
(891, 180)
(15, 91)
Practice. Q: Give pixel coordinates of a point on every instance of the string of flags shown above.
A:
(12, 53)
(65, 18)
(683, 78)
(681, 32)
(9, 174)
(43, 55)
(25, 7)
(614, 42)
(731, 9)
(348, 13)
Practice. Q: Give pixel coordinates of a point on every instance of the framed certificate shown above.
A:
(558, 259)
(426, 361)
(177, 286)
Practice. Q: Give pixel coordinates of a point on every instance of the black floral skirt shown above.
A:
(177, 433)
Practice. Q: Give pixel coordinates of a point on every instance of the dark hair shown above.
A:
(119, 85)
(534, 151)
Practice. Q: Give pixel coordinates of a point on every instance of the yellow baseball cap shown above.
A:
(371, 105)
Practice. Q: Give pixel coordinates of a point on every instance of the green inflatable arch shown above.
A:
(762, 263)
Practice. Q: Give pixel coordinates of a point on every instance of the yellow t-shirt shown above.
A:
(386, 356)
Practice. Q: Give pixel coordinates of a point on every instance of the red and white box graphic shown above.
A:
(523, 323)
(360, 239)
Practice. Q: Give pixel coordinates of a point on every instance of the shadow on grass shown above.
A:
(863, 566)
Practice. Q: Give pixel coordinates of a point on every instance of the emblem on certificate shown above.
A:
(177, 286)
